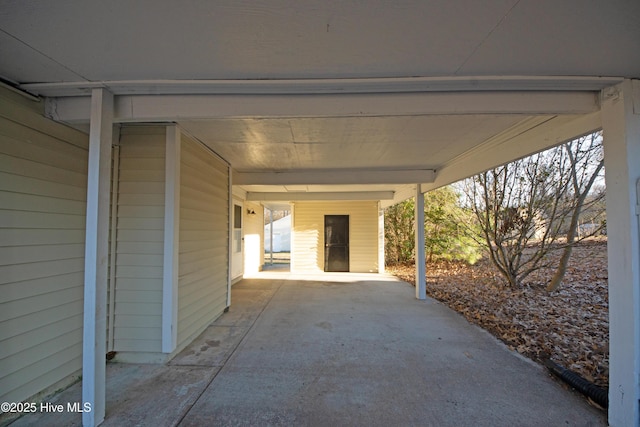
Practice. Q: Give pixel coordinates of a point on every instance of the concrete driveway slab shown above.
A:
(335, 350)
(137, 395)
(365, 352)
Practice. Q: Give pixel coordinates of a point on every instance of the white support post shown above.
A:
(230, 224)
(621, 130)
(421, 270)
(115, 178)
(271, 236)
(96, 256)
(381, 258)
(171, 239)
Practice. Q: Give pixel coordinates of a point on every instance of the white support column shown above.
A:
(115, 178)
(621, 129)
(230, 224)
(271, 236)
(421, 280)
(381, 258)
(96, 256)
(171, 240)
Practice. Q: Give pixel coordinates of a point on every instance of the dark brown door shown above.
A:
(336, 243)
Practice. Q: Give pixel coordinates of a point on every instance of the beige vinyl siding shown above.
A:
(140, 237)
(43, 179)
(308, 235)
(204, 238)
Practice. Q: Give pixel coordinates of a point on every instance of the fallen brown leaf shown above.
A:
(571, 325)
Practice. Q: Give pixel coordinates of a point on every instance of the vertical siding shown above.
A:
(204, 239)
(43, 172)
(139, 242)
(308, 235)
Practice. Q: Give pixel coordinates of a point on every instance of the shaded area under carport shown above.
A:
(336, 349)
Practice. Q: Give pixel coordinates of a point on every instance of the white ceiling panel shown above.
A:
(376, 103)
(19, 62)
(252, 39)
(572, 38)
(249, 39)
(361, 142)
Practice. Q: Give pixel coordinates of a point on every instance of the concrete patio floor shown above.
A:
(340, 350)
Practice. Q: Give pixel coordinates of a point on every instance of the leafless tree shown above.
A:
(532, 206)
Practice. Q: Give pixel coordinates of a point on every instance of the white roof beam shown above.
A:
(311, 196)
(325, 86)
(166, 108)
(334, 177)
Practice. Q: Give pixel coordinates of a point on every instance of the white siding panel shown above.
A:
(308, 235)
(43, 169)
(204, 236)
(139, 247)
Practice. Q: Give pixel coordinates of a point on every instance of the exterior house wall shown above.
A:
(253, 238)
(307, 253)
(43, 179)
(204, 239)
(139, 242)
(43, 185)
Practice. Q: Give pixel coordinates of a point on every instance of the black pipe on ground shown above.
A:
(598, 394)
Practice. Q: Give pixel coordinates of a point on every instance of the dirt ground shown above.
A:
(571, 325)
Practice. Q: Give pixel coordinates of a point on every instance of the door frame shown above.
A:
(348, 242)
(237, 257)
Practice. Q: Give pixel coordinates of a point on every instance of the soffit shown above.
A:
(70, 40)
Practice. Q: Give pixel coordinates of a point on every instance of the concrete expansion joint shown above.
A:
(231, 353)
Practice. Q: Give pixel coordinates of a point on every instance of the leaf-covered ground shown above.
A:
(570, 325)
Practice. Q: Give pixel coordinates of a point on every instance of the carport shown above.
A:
(344, 101)
(335, 349)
